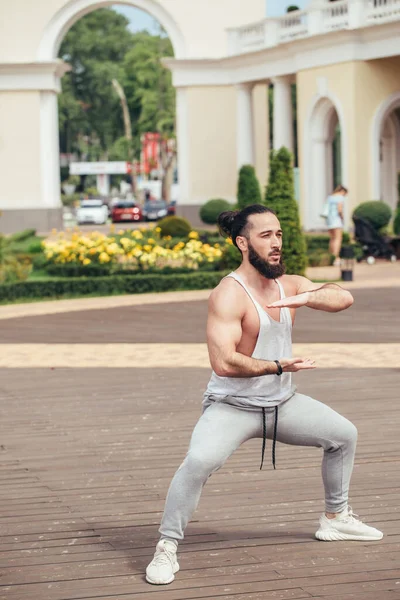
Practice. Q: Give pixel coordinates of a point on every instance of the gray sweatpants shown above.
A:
(222, 428)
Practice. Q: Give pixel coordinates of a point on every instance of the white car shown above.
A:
(92, 211)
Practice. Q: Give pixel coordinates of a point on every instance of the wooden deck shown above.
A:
(87, 455)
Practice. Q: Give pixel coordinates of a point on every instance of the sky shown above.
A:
(140, 20)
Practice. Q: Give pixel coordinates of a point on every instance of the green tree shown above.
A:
(279, 196)
(93, 115)
(149, 86)
(248, 187)
(90, 114)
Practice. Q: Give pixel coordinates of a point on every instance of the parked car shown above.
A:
(126, 210)
(154, 210)
(171, 208)
(92, 211)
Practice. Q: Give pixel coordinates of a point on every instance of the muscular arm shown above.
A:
(224, 332)
(329, 297)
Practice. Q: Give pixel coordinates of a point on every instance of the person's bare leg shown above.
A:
(331, 240)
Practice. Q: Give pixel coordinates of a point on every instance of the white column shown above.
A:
(357, 13)
(245, 130)
(318, 168)
(283, 113)
(315, 19)
(182, 134)
(49, 150)
(103, 184)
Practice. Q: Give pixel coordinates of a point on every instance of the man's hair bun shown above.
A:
(226, 221)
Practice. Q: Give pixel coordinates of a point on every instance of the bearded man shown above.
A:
(251, 394)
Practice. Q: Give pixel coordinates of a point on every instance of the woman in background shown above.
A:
(335, 220)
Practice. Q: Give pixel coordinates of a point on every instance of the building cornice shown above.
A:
(288, 58)
(36, 76)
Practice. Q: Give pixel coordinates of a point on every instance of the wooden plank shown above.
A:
(89, 460)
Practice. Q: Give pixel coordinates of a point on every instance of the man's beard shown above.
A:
(263, 266)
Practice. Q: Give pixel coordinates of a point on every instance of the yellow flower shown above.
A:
(87, 261)
(104, 258)
(193, 235)
(121, 232)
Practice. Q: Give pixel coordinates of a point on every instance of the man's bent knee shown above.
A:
(201, 466)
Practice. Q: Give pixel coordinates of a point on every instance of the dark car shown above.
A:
(171, 208)
(126, 210)
(154, 210)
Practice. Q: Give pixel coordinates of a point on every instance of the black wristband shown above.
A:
(280, 370)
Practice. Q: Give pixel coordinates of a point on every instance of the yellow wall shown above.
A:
(212, 150)
(360, 87)
(20, 149)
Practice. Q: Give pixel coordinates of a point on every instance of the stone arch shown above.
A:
(323, 116)
(48, 49)
(385, 149)
(73, 10)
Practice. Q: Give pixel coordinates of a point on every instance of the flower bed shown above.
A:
(136, 250)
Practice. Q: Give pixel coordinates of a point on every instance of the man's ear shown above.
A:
(241, 242)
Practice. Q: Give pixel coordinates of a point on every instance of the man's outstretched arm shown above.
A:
(224, 332)
(329, 297)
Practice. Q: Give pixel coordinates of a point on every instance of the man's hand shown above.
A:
(291, 301)
(292, 365)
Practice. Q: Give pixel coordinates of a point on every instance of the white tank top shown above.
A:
(273, 343)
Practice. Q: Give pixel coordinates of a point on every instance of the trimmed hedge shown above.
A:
(107, 286)
(396, 222)
(376, 212)
(75, 270)
(321, 242)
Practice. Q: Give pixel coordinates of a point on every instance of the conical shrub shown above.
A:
(248, 187)
(279, 197)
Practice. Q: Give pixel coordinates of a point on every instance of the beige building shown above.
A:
(342, 55)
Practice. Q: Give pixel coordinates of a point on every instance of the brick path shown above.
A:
(92, 434)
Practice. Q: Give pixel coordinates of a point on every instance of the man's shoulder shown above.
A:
(227, 290)
(227, 285)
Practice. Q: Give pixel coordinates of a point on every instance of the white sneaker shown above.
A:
(164, 565)
(345, 526)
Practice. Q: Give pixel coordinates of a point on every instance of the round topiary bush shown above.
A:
(175, 227)
(376, 212)
(211, 210)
